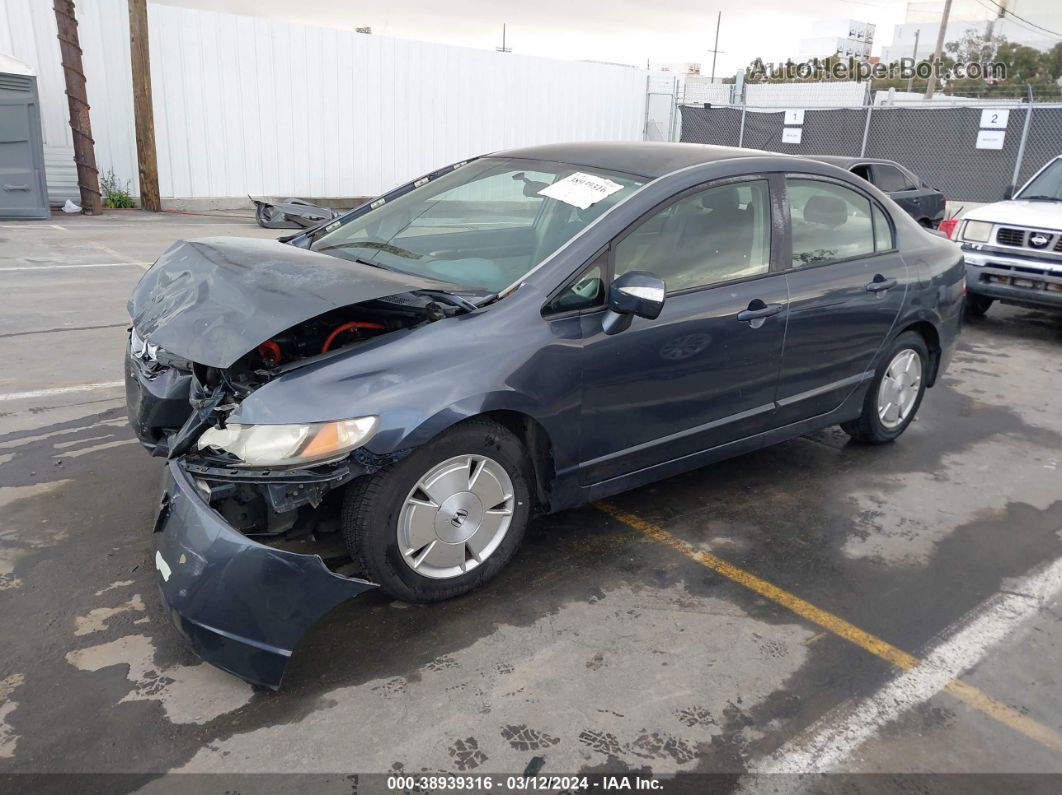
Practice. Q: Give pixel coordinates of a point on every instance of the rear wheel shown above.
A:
(977, 305)
(895, 393)
(444, 520)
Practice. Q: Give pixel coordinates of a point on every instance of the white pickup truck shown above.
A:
(1013, 248)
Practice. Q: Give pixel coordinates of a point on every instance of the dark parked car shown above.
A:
(921, 201)
(518, 334)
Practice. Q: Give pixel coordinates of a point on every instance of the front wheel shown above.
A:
(895, 393)
(444, 520)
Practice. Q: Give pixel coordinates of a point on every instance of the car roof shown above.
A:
(639, 158)
(846, 162)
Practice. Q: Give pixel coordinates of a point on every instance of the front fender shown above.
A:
(422, 382)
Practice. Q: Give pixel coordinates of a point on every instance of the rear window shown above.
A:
(890, 179)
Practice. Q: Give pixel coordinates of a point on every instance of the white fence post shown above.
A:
(1021, 145)
(866, 132)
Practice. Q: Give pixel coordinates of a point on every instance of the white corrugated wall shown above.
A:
(253, 105)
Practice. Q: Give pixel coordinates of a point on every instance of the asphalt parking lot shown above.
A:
(816, 606)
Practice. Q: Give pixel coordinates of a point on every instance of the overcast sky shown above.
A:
(623, 31)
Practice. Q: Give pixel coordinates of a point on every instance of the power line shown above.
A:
(1007, 12)
(1016, 22)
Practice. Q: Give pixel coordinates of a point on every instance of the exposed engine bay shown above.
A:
(324, 334)
(284, 504)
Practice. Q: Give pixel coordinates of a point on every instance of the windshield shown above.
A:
(1047, 186)
(483, 226)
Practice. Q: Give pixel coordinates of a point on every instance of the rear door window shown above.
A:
(890, 179)
(829, 222)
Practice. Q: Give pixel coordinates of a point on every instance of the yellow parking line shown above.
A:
(826, 620)
(1023, 724)
(968, 694)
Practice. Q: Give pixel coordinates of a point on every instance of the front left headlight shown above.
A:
(977, 231)
(289, 445)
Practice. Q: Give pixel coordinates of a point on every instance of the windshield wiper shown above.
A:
(1039, 198)
(398, 251)
(361, 261)
(453, 299)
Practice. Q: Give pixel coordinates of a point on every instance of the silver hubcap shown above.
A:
(899, 388)
(455, 516)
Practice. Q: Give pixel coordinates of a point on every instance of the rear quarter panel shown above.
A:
(936, 294)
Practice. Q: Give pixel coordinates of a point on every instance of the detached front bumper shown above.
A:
(1023, 280)
(242, 605)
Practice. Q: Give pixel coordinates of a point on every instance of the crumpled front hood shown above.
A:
(1046, 215)
(213, 300)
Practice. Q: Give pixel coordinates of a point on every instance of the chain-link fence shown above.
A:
(939, 144)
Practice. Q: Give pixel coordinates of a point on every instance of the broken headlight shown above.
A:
(289, 445)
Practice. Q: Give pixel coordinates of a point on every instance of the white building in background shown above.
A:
(848, 37)
(923, 18)
(342, 115)
(682, 68)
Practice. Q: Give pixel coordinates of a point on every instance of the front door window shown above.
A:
(712, 236)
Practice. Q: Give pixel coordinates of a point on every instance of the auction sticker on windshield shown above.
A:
(581, 190)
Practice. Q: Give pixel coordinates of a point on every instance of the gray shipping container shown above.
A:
(23, 190)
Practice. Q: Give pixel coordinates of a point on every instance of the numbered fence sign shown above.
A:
(990, 139)
(994, 119)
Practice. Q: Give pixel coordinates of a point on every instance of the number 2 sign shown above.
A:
(994, 119)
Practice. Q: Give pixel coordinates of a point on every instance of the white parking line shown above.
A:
(60, 390)
(76, 265)
(831, 740)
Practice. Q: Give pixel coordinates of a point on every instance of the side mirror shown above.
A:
(635, 293)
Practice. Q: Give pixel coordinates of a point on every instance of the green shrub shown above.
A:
(115, 195)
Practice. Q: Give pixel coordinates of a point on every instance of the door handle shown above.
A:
(759, 312)
(880, 284)
(16, 187)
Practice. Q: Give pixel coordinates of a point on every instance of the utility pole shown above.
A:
(143, 112)
(939, 50)
(88, 180)
(503, 48)
(914, 57)
(990, 27)
(715, 50)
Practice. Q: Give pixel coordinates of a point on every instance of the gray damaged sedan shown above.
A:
(517, 334)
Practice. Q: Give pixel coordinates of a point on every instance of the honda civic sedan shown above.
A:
(513, 335)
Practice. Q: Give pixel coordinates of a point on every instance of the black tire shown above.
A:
(868, 426)
(373, 504)
(977, 305)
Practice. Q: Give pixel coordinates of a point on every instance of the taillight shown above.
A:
(949, 227)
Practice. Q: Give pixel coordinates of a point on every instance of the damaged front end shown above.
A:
(243, 605)
(247, 538)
